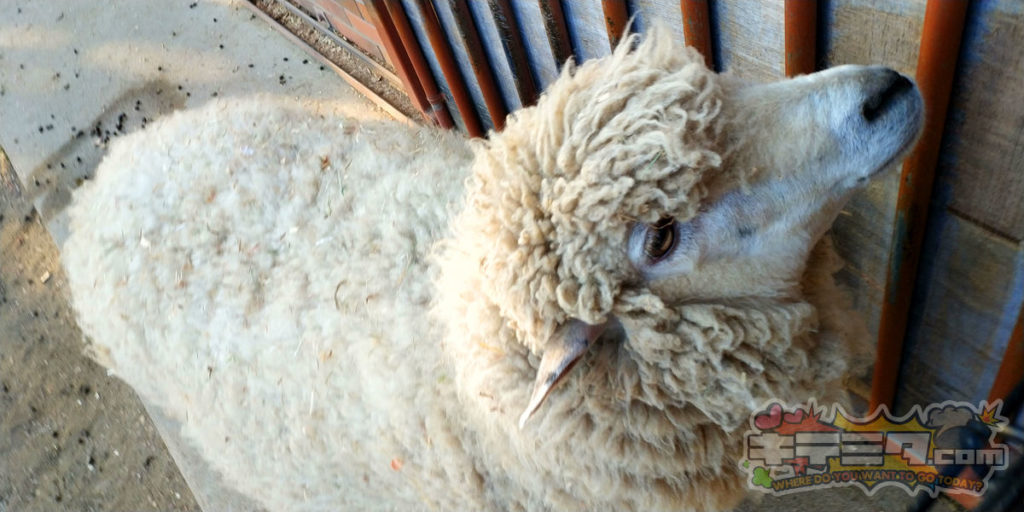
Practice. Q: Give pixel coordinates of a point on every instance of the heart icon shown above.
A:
(794, 417)
(770, 419)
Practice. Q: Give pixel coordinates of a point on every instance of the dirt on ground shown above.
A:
(72, 438)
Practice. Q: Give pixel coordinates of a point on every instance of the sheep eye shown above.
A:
(660, 238)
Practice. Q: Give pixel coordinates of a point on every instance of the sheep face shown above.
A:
(799, 149)
(646, 201)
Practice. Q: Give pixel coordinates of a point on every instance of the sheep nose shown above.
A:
(892, 85)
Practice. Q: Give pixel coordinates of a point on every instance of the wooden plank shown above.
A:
(862, 233)
(883, 32)
(586, 29)
(751, 38)
(989, 121)
(970, 296)
(666, 12)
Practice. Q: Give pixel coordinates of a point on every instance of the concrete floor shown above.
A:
(73, 75)
(70, 437)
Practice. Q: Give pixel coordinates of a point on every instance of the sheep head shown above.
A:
(644, 181)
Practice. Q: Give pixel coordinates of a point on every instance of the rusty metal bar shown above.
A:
(399, 57)
(801, 25)
(396, 27)
(697, 28)
(481, 65)
(450, 69)
(936, 65)
(515, 52)
(616, 17)
(557, 30)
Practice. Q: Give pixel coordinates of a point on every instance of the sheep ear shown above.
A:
(560, 356)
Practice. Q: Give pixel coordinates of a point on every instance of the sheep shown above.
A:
(578, 313)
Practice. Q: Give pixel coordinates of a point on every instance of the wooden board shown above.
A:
(585, 20)
(969, 294)
(987, 120)
(666, 12)
(750, 39)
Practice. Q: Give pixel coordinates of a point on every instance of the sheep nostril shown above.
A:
(878, 102)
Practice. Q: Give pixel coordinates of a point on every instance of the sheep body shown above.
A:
(294, 246)
(267, 278)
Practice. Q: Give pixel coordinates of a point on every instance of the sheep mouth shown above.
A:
(900, 153)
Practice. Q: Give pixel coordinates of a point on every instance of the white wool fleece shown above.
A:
(349, 315)
(258, 273)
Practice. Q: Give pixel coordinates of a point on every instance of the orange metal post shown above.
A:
(936, 65)
(616, 16)
(400, 57)
(801, 27)
(697, 28)
(557, 30)
(450, 69)
(478, 60)
(390, 13)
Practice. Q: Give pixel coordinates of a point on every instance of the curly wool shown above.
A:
(267, 276)
(541, 242)
(664, 409)
(612, 142)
